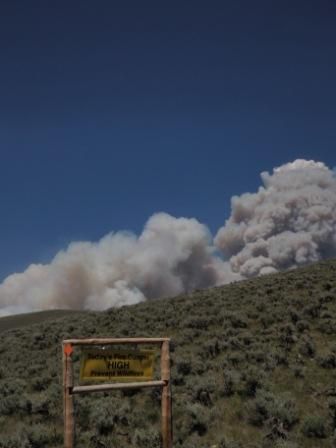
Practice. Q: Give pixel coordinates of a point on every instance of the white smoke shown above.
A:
(170, 256)
(289, 222)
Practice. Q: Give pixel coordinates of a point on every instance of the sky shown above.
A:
(112, 111)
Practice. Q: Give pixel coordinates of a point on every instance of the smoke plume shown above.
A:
(170, 256)
(289, 222)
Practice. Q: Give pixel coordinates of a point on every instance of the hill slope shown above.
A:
(23, 320)
(253, 364)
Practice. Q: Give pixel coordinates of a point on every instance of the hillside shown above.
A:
(23, 320)
(253, 365)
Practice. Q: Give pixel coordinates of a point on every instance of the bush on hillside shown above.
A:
(314, 426)
(267, 406)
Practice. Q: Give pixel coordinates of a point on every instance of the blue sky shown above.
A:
(111, 111)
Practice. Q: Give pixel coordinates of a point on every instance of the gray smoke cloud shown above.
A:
(169, 257)
(289, 222)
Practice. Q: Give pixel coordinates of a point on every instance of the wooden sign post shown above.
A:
(69, 423)
(69, 389)
(166, 397)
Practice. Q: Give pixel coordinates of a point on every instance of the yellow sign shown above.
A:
(116, 365)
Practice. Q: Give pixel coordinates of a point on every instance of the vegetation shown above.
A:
(253, 365)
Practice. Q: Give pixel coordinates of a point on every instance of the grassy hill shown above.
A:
(23, 320)
(253, 365)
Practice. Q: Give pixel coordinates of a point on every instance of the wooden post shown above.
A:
(166, 398)
(68, 401)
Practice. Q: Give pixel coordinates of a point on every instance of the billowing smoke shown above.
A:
(170, 256)
(289, 222)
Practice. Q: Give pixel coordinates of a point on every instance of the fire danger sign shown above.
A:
(116, 365)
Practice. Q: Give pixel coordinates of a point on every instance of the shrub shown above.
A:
(237, 320)
(252, 380)
(183, 367)
(302, 325)
(266, 405)
(258, 409)
(235, 358)
(231, 378)
(40, 404)
(14, 441)
(284, 409)
(267, 320)
(196, 419)
(8, 405)
(202, 390)
(294, 315)
(307, 347)
(299, 371)
(40, 383)
(103, 419)
(314, 426)
(276, 357)
(147, 439)
(39, 436)
(258, 355)
(327, 360)
(198, 323)
(228, 443)
(312, 310)
(281, 443)
(234, 343)
(332, 412)
(287, 339)
(328, 326)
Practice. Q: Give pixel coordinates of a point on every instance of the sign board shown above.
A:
(116, 365)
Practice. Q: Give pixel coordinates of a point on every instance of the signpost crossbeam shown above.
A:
(102, 387)
(112, 341)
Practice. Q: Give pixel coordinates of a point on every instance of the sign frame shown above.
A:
(69, 389)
